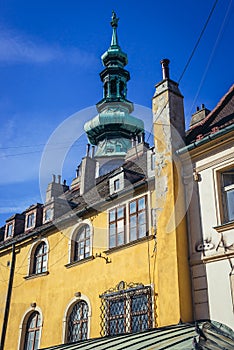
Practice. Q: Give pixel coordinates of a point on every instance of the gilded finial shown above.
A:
(114, 20)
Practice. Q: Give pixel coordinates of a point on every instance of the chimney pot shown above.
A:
(53, 178)
(198, 108)
(93, 151)
(202, 106)
(59, 179)
(87, 149)
(165, 68)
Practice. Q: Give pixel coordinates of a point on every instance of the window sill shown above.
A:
(79, 262)
(35, 275)
(225, 226)
(129, 244)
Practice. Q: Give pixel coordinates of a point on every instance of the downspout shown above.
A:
(8, 299)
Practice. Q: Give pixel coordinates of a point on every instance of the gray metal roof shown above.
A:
(205, 335)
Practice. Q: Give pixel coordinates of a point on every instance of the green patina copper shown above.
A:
(111, 130)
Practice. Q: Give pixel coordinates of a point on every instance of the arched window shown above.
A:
(40, 259)
(32, 334)
(82, 243)
(78, 322)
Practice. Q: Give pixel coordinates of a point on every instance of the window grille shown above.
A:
(78, 322)
(126, 309)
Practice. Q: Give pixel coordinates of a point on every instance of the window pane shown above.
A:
(78, 322)
(120, 226)
(141, 203)
(132, 207)
(133, 234)
(112, 215)
(141, 218)
(230, 204)
(133, 221)
(112, 229)
(228, 178)
(120, 212)
(112, 241)
(120, 238)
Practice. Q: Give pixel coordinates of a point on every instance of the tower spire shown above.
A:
(113, 128)
(114, 24)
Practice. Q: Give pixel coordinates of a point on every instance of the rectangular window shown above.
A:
(137, 219)
(116, 185)
(48, 215)
(117, 227)
(126, 311)
(9, 232)
(228, 194)
(31, 220)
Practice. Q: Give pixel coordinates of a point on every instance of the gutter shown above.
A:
(206, 139)
(8, 299)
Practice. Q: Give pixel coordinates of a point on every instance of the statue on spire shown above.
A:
(114, 20)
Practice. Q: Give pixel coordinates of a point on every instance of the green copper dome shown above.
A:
(114, 127)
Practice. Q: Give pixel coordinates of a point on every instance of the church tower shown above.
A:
(114, 128)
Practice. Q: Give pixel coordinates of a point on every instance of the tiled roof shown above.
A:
(205, 335)
(220, 117)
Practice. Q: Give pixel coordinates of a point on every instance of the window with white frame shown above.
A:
(82, 243)
(77, 327)
(39, 259)
(128, 222)
(117, 227)
(30, 220)
(48, 214)
(9, 230)
(126, 309)
(32, 332)
(137, 219)
(227, 178)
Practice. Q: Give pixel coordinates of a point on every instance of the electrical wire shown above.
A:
(198, 40)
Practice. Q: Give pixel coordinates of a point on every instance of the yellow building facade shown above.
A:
(108, 254)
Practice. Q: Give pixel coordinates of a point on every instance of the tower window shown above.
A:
(113, 87)
(122, 88)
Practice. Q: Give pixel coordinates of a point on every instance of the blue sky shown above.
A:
(50, 63)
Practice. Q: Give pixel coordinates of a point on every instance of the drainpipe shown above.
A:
(8, 299)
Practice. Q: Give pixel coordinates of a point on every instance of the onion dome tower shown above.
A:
(113, 128)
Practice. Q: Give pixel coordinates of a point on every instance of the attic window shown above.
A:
(117, 185)
(31, 220)
(9, 232)
(48, 215)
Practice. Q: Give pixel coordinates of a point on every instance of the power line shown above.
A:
(198, 40)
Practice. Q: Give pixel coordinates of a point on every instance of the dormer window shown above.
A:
(116, 185)
(9, 230)
(30, 220)
(48, 214)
